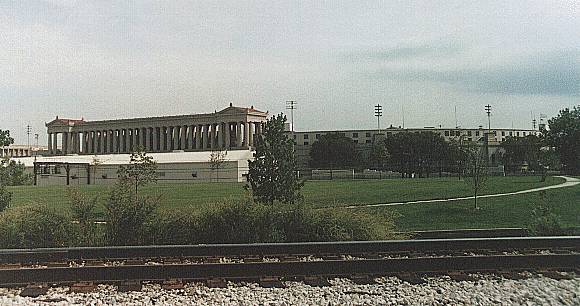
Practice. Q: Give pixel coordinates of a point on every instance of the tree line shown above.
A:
(425, 153)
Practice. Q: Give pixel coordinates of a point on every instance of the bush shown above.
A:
(126, 215)
(544, 221)
(5, 198)
(249, 222)
(176, 227)
(83, 213)
(35, 227)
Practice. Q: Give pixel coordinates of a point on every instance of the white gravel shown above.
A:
(485, 290)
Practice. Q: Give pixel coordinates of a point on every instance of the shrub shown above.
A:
(544, 221)
(249, 222)
(35, 227)
(83, 213)
(176, 227)
(5, 198)
(126, 215)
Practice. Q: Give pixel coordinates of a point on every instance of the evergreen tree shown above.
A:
(272, 173)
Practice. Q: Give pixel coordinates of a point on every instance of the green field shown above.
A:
(510, 211)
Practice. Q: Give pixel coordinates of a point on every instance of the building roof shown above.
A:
(121, 159)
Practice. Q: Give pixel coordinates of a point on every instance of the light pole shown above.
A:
(378, 114)
(488, 111)
(291, 105)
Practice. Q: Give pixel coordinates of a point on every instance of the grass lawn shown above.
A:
(316, 193)
(509, 211)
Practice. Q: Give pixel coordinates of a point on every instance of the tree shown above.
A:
(564, 136)
(5, 195)
(272, 173)
(216, 161)
(378, 155)
(417, 153)
(476, 171)
(333, 150)
(5, 139)
(520, 151)
(13, 173)
(140, 171)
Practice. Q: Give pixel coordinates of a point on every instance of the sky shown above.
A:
(418, 59)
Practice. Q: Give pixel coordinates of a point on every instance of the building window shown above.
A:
(518, 134)
(468, 133)
(368, 134)
(368, 141)
(446, 133)
(476, 133)
(305, 136)
(306, 143)
(354, 135)
(342, 134)
(524, 133)
(502, 133)
(294, 136)
(317, 136)
(469, 139)
(356, 141)
(511, 133)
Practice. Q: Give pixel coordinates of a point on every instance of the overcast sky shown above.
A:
(119, 59)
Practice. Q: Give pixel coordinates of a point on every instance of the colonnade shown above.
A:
(15, 152)
(155, 138)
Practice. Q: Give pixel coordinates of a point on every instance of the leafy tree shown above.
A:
(564, 135)
(333, 151)
(272, 173)
(522, 150)
(5, 139)
(5, 195)
(83, 210)
(420, 153)
(476, 171)
(216, 161)
(140, 171)
(13, 173)
(378, 155)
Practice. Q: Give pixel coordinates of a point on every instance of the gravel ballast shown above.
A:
(441, 290)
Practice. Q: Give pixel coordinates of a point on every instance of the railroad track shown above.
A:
(286, 261)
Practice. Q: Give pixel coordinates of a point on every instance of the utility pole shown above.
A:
(28, 132)
(291, 105)
(378, 114)
(534, 124)
(488, 111)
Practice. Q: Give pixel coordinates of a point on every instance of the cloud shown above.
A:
(552, 74)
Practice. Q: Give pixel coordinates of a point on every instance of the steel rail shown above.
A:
(286, 270)
(44, 255)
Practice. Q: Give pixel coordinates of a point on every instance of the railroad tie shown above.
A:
(34, 290)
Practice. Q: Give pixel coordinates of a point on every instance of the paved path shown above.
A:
(570, 181)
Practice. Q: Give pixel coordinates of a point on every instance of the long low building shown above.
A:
(174, 167)
(364, 138)
(21, 150)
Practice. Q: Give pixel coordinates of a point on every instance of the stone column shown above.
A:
(227, 135)
(197, 137)
(147, 145)
(246, 132)
(114, 140)
(169, 138)
(183, 137)
(64, 143)
(190, 141)
(162, 138)
(122, 140)
(50, 144)
(251, 134)
(175, 138)
(239, 134)
(204, 136)
(155, 140)
(90, 143)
